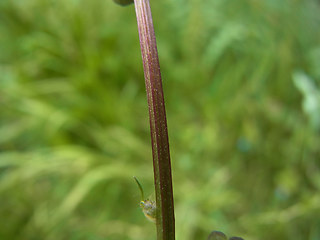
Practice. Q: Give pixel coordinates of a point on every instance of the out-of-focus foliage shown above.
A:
(241, 81)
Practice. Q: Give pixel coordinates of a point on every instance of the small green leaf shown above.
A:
(216, 235)
(236, 238)
(123, 2)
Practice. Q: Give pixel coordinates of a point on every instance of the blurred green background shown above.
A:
(242, 88)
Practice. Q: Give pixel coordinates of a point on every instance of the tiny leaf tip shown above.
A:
(123, 2)
(140, 188)
(216, 235)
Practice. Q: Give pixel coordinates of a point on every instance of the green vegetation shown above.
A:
(242, 87)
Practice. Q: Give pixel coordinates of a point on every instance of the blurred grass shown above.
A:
(242, 92)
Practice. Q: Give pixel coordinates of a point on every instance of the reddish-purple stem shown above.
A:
(158, 123)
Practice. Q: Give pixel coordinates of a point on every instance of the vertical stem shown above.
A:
(158, 122)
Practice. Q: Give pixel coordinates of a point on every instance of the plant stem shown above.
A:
(158, 123)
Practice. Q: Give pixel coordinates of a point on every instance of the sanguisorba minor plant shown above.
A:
(163, 212)
(158, 124)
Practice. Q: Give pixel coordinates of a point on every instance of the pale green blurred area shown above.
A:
(241, 81)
